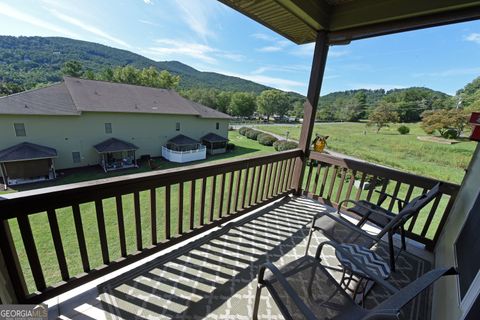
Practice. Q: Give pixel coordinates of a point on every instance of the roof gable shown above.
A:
(114, 145)
(26, 151)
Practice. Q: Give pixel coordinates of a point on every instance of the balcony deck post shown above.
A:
(310, 106)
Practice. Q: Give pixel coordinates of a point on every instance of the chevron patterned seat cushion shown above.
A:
(364, 256)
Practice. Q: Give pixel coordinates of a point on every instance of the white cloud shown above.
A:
(172, 48)
(11, 12)
(449, 72)
(148, 1)
(338, 53)
(279, 83)
(270, 49)
(304, 50)
(263, 36)
(198, 15)
(148, 22)
(376, 86)
(92, 29)
(473, 37)
(296, 68)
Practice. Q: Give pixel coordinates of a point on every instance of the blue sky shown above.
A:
(209, 36)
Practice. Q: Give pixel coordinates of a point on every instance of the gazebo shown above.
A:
(183, 149)
(116, 154)
(215, 144)
(27, 162)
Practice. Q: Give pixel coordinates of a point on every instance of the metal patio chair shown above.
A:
(337, 228)
(304, 289)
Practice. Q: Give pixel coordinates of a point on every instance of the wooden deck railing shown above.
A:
(331, 179)
(159, 208)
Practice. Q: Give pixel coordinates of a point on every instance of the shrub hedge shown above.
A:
(252, 134)
(403, 130)
(243, 130)
(283, 145)
(266, 139)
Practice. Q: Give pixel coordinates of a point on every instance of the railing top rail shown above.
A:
(33, 201)
(386, 172)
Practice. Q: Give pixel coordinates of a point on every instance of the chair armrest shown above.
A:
(390, 196)
(360, 266)
(346, 223)
(370, 210)
(286, 286)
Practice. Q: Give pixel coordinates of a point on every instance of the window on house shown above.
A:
(177, 127)
(217, 125)
(108, 128)
(76, 157)
(20, 129)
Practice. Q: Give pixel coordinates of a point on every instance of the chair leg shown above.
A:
(391, 250)
(256, 304)
(402, 235)
(310, 237)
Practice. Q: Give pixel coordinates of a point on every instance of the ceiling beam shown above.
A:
(367, 12)
(316, 14)
(409, 24)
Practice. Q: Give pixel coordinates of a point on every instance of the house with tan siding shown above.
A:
(74, 116)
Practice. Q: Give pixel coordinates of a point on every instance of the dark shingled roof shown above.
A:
(212, 137)
(74, 96)
(26, 151)
(114, 145)
(182, 140)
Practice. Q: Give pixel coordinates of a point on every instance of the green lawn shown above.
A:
(404, 152)
(244, 148)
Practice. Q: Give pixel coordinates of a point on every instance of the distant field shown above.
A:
(403, 152)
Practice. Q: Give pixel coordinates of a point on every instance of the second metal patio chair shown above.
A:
(337, 228)
(304, 289)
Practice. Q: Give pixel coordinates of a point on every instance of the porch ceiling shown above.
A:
(346, 20)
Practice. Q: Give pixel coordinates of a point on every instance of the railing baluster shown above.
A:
(383, 189)
(77, 218)
(12, 263)
(317, 177)
(360, 188)
(394, 194)
(274, 179)
(264, 182)
(121, 226)
(213, 187)
(371, 187)
(138, 220)
(324, 181)
(167, 211)
(237, 191)
(290, 174)
(244, 192)
(202, 201)
(222, 194)
(332, 182)
(414, 219)
(340, 186)
(350, 184)
(285, 172)
(252, 186)
(180, 208)
(269, 181)
(257, 184)
(57, 243)
(101, 231)
(153, 215)
(430, 215)
(309, 177)
(279, 177)
(192, 204)
(230, 191)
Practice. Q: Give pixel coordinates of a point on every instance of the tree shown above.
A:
(223, 101)
(72, 68)
(298, 109)
(242, 104)
(382, 115)
(448, 123)
(89, 74)
(273, 101)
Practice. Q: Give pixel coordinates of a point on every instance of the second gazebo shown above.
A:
(215, 144)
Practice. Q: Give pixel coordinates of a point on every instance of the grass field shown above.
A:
(389, 148)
